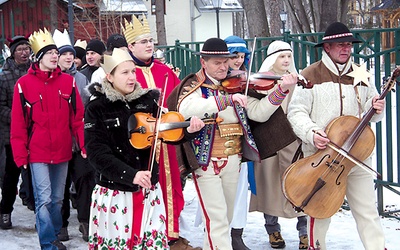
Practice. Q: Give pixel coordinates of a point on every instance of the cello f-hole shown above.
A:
(319, 163)
(338, 182)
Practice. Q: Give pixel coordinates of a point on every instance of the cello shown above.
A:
(317, 184)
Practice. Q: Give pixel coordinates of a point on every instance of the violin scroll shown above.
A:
(389, 82)
(301, 81)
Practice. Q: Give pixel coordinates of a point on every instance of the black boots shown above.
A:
(5, 221)
(237, 241)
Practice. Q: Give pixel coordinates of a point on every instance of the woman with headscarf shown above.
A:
(277, 144)
(237, 46)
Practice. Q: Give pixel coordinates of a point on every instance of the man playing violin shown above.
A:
(336, 93)
(215, 155)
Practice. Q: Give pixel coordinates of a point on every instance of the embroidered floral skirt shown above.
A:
(126, 220)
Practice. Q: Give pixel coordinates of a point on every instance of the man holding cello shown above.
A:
(337, 93)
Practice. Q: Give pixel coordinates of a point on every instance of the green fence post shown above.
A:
(286, 36)
(177, 63)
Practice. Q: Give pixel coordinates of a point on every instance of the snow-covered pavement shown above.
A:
(341, 235)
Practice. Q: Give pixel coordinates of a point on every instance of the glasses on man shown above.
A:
(52, 52)
(145, 41)
(23, 49)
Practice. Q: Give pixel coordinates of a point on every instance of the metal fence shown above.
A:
(381, 59)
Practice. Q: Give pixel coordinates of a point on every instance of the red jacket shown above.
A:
(46, 112)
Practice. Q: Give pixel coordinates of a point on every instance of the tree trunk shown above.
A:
(160, 22)
(297, 16)
(256, 18)
(344, 8)
(239, 28)
(314, 15)
(329, 14)
(273, 12)
(53, 15)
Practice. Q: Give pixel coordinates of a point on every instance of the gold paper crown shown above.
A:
(40, 39)
(118, 56)
(81, 44)
(135, 30)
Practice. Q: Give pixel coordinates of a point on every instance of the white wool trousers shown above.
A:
(217, 191)
(360, 195)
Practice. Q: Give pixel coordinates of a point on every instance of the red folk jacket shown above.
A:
(47, 112)
(154, 76)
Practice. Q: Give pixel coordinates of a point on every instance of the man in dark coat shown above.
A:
(15, 66)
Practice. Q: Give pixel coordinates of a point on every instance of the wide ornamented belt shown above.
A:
(227, 140)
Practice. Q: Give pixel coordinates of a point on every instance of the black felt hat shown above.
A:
(215, 47)
(337, 32)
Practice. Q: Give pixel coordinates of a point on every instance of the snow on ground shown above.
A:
(342, 233)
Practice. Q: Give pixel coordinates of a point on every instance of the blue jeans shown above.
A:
(48, 181)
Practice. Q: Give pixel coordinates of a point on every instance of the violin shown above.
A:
(141, 128)
(236, 81)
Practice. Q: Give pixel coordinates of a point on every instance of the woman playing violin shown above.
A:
(277, 144)
(116, 216)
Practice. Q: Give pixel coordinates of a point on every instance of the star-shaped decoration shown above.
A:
(360, 74)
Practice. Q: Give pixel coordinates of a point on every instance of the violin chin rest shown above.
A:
(132, 123)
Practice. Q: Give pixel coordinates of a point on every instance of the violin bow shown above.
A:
(147, 208)
(249, 69)
(157, 125)
(349, 156)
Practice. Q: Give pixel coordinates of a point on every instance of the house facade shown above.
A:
(185, 20)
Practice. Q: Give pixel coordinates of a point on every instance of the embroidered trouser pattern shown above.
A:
(217, 191)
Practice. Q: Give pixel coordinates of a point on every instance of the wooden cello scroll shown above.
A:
(317, 184)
